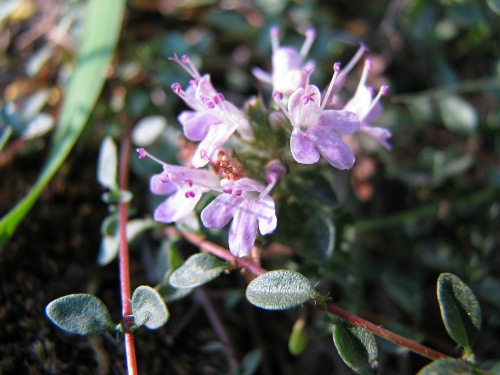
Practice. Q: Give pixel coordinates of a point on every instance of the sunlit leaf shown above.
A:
(280, 290)
(38, 126)
(357, 347)
(458, 115)
(494, 6)
(107, 164)
(148, 308)
(298, 338)
(148, 130)
(198, 269)
(83, 314)
(102, 25)
(459, 309)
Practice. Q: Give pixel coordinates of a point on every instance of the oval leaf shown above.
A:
(107, 165)
(458, 115)
(83, 314)
(447, 366)
(280, 290)
(38, 126)
(357, 347)
(298, 338)
(148, 308)
(148, 130)
(199, 269)
(459, 309)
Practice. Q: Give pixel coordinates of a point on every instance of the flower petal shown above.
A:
(360, 101)
(220, 211)
(304, 106)
(159, 186)
(243, 231)
(176, 207)
(333, 149)
(380, 134)
(196, 124)
(340, 122)
(217, 135)
(267, 215)
(303, 149)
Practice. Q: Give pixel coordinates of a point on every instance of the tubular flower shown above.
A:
(212, 120)
(316, 131)
(288, 69)
(248, 204)
(368, 108)
(185, 187)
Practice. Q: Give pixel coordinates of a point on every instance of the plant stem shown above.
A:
(330, 307)
(384, 333)
(124, 258)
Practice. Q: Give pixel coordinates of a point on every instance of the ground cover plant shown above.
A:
(249, 187)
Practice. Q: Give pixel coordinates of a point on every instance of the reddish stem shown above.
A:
(124, 258)
(330, 307)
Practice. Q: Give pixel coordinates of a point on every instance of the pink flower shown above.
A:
(368, 108)
(316, 131)
(212, 120)
(288, 69)
(247, 203)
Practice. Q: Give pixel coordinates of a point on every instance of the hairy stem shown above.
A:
(124, 258)
(330, 307)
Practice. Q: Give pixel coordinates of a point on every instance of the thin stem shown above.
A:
(384, 333)
(124, 258)
(330, 307)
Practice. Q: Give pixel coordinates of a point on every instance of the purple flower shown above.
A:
(368, 108)
(317, 131)
(184, 186)
(212, 120)
(288, 69)
(247, 203)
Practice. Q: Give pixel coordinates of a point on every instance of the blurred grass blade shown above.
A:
(103, 20)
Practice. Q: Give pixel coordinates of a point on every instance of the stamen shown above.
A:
(277, 96)
(189, 194)
(357, 56)
(275, 34)
(177, 88)
(238, 192)
(382, 92)
(143, 153)
(307, 76)
(186, 64)
(208, 102)
(336, 70)
(310, 36)
(227, 191)
(218, 98)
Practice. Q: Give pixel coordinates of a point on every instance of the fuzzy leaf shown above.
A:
(357, 347)
(82, 314)
(199, 269)
(447, 366)
(148, 308)
(148, 130)
(459, 309)
(107, 164)
(458, 115)
(280, 290)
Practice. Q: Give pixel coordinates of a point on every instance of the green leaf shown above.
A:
(357, 347)
(83, 314)
(447, 366)
(298, 338)
(199, 269)
(458, 115)
(309, 231)
(312, 187)
(102, 25)
(459, 309)
(107, 164)
(148, 308)
(494, 6)
(251, 361)
(280, 290)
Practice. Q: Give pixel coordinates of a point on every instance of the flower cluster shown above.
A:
(317, 125)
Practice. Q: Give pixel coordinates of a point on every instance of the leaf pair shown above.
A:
(85, 314)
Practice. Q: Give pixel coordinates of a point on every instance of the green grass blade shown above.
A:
(102, 24)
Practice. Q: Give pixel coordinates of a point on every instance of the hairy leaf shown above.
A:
(199, 269)
(83, 314)
(148, 308)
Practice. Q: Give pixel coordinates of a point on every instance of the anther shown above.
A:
(142, 153)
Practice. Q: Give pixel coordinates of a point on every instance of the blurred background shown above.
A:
(429, 205)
